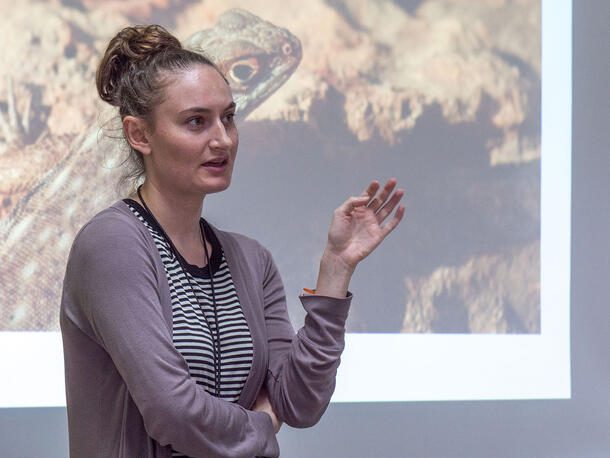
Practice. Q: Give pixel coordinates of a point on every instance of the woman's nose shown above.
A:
(220, 136)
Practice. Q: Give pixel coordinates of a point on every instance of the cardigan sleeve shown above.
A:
(302, 367)
(112, 277)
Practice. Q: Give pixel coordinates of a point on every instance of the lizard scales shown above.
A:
(257, 57)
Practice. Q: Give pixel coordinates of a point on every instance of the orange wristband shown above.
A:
(309, 291)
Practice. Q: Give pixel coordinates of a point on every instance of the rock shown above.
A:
(454, 54)
(498, 293)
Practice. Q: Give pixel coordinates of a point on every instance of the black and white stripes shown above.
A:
(194, 323)
(193, 317)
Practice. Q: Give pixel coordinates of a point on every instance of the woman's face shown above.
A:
(193, 142)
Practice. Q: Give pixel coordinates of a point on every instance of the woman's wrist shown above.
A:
(334, 276)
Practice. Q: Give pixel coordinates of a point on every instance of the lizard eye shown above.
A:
(243, 71)
(287, 49)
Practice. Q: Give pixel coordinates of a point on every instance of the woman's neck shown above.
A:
(178, 214)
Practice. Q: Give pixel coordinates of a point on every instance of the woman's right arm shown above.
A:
(112, 284)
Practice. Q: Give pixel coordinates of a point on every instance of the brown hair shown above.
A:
(130, 76)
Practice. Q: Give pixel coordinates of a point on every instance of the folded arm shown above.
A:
(114, 283)
(302, 367)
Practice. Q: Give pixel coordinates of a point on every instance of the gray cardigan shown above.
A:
(128, 390)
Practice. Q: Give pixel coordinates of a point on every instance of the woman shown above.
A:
(176, 335)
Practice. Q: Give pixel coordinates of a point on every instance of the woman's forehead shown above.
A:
(199, 86)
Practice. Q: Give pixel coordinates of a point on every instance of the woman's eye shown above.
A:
(195, 122)
(229, 117)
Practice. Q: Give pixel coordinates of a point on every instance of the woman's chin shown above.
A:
(214, 186)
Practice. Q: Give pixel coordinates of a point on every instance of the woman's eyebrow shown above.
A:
(230, 106)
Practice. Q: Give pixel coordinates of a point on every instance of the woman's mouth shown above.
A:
(216, 166)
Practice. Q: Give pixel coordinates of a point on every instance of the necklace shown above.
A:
(216, 334)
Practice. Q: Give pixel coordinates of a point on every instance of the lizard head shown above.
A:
(256, 56)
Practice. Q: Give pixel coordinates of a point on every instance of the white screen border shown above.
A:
(444, 367)
(421, 367)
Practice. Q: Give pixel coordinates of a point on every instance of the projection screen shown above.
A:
(466, 103)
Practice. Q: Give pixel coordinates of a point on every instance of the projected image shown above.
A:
(444, 95)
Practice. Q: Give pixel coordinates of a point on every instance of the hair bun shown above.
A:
(129, 48)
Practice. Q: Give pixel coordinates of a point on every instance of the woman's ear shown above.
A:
(136, 134)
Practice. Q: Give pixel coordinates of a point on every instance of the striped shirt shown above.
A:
(197, 326)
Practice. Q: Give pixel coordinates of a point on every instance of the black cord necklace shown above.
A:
(215, 335)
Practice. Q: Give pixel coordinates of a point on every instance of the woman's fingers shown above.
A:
(350, 204)
(389, 205)
(263, 404)
(379, 200)
(371, 190)
(369, 193)
(392, 223)
(378, 203)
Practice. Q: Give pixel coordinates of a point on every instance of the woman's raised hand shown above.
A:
(356, 228)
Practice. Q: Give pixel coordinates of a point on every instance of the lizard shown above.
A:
(257, 56)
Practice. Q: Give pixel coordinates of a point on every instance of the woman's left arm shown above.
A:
(302, 368)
